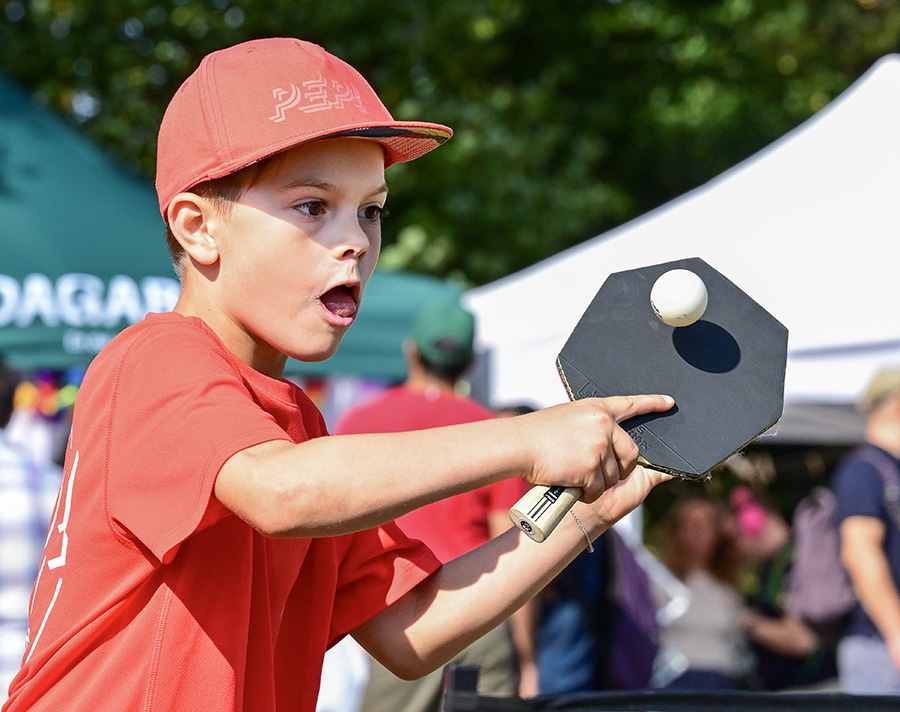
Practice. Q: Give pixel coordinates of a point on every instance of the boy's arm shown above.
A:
(341, 484)
(467, 597)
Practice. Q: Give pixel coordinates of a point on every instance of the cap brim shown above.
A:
(404, 141)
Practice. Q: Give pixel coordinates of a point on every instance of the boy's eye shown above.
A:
(374, 212)
(312, 208)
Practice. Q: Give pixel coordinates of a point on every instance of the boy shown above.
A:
(208, 544)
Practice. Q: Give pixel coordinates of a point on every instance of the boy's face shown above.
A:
(295, 253)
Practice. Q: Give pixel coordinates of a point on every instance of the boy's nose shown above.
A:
(354, 243)
(353, 252)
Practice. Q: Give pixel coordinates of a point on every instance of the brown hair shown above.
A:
(725, 564)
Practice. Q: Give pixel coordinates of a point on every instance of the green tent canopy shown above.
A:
(82, 244)
(83, 255)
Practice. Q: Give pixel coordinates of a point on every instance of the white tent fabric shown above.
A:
(808, 227)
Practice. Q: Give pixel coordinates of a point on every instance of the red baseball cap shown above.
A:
(252, 100)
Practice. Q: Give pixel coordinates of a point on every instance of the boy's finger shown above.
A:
(625, 407)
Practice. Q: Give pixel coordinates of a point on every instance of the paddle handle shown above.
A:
(542, 508)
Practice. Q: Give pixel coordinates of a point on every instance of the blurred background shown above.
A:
(591, 136)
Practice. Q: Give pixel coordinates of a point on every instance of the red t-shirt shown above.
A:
(152, 595)
(456, 525)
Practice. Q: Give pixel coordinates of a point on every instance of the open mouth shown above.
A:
(340, 301)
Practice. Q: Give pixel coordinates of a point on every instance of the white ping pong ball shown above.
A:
(679, 297)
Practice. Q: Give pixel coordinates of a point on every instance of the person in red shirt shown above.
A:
(209, 543)
(438, 352)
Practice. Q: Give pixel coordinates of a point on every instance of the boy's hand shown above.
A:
(580, 444)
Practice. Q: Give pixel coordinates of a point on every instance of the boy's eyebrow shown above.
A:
(383, 188)
(325, 185)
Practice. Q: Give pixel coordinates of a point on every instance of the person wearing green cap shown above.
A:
(439, 351)
(443, 338)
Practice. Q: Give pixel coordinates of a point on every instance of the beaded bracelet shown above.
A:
(590, 546)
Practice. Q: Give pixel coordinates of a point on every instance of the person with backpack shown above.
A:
(866, 484)
(790, 651)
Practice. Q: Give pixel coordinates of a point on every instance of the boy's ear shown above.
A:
(190, 221)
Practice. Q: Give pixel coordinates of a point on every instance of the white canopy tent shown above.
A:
(809, 227)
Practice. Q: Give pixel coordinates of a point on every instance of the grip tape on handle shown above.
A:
(542, 508)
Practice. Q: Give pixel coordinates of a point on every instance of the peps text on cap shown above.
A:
(255, 99)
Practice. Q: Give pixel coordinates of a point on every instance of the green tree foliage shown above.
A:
(570, 119)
